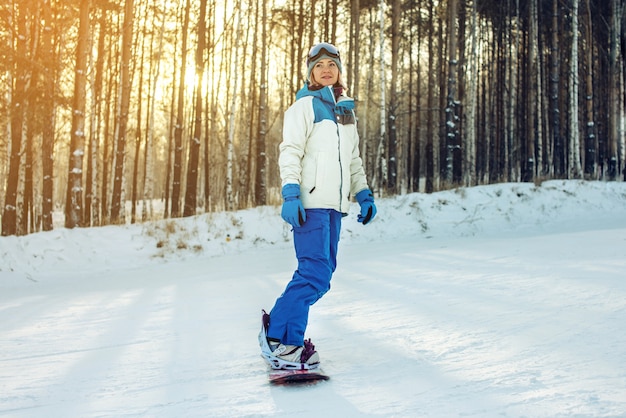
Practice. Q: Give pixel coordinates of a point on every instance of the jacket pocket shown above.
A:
(321, 169)
(314, 173)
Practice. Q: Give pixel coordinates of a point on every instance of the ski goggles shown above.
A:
(321, 49)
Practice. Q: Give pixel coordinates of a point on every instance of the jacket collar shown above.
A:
(325, 93)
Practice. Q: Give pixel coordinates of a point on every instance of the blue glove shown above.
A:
(293, 212)
(368, 208)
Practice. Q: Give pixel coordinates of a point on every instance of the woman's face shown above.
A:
(325, 72)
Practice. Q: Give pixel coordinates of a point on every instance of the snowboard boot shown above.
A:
(289, 357)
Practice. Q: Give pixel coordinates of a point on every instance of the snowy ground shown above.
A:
(504, 300)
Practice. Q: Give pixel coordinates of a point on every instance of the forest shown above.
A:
(107, 107)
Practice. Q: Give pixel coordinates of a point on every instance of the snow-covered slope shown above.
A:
(502, 300)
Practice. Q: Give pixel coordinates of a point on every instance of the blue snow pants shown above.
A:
(315, 243)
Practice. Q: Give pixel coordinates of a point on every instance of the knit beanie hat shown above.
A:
(319, 52)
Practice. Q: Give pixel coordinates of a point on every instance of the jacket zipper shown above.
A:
(338, 152)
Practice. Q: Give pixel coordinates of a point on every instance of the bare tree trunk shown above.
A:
(149, 120)
(488, 171)
(74, 202)
(441, 72)
(591, 140)
(514, 169)
(312, 20)
(20, 77)
(214, 138)
(298, 50)
(247, 112)
(191, 189)
(260, 189)
(381, 158)
(416, 158)
(392, 167)
(170, 148)
(615, 90)
(171, 128)
(210, 111)
(575, 170)
(178, 127)
(471, 101)
(25, 213)
(430, 129)
(353, 48)
(555, 112)
(47, 135)
(541, 112)
(333, 27)
(327, 16)
(138, 134)
(531, 111)
(112, 92)
(411, 142)
(366, 144)
(500, 153)
(148, 189)
(91, 180)
(230, 197)
(452, 163)
(248, 116)
(25, 221)
(117, 201)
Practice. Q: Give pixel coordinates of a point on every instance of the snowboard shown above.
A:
(287, 377)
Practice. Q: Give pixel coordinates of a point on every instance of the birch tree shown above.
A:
(453, 147)
(20, 77)
(381, 158)
(392, 168)
(556, 162)
(591, 140)
(211, 109)
(367, 154)
(230, 197)
(615, 90)
(260, 189)
(353, 57)
(91, 212)
(108, 138)
(513, 123)
(149, 151)
(541, 85)
(74, 202)
(49, 74)
(414, 91)
(125, 86)
(139, 115)
(575, 169)
(471, 99)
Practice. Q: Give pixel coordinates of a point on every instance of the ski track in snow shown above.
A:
(503, 300)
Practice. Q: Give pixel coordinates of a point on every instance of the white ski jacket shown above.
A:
(320, 150)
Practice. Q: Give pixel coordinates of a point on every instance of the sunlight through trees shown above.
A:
(106, 106)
